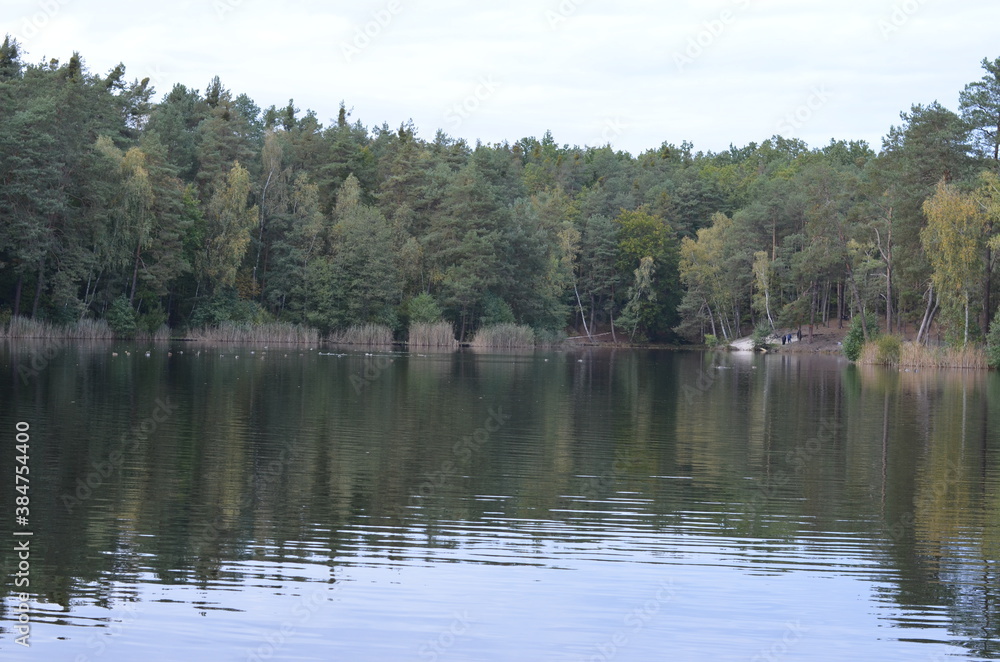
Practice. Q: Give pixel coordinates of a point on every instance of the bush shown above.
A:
(993, 343)
(423, 309)
(496, 311)
(121, 318)
(759, 335)
(711, 340)
(151, 321)
(226, 306)
(884, 350)
(854, 341)
(887, 349)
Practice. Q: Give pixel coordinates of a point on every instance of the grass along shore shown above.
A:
(432, 335)
(889, 350)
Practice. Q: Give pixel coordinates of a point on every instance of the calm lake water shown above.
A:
(295, 504)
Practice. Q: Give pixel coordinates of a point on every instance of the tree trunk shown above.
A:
(17, 295)
(840, 304)
(857, 297)
(38, 290)
(987, 285)
(593, 307)
(135, 276)
(812, 312)
(925, 323)
(260, 232)
(965, 339)
(583, 315)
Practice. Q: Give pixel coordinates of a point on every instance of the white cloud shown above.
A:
(599, 63)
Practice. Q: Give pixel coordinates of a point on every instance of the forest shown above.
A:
(201, 208)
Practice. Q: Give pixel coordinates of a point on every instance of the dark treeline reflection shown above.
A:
(171, 468)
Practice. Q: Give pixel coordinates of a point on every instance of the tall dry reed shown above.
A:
(439, 334)
(362, 334)
(504, 336)
(274, 332)
(86, 329)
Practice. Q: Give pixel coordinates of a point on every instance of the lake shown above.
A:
(222, 503)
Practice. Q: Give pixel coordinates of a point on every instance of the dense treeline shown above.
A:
(203, 208)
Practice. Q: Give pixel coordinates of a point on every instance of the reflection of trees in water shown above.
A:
(942, 527)
(280, 459)
(973, 585)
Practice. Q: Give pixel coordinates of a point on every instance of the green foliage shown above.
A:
(887, 349)
(854, 341)
(207, 206)
(122, 318)
(993, 343)
(760, 335)
(151, 320)
(712, 340)
(496, 311)
(423, 309)
(227, 306)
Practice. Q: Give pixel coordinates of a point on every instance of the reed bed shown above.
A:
(86, 329)
(362, 334)
(439, 334)
(911, 355)
(274, 332)
(504, 336)
(919, 356)
(162, 334)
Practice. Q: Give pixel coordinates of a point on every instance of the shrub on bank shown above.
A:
(760, 335)
(854, 341)
(993, 343)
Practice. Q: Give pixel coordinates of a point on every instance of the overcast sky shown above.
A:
(635, 74)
